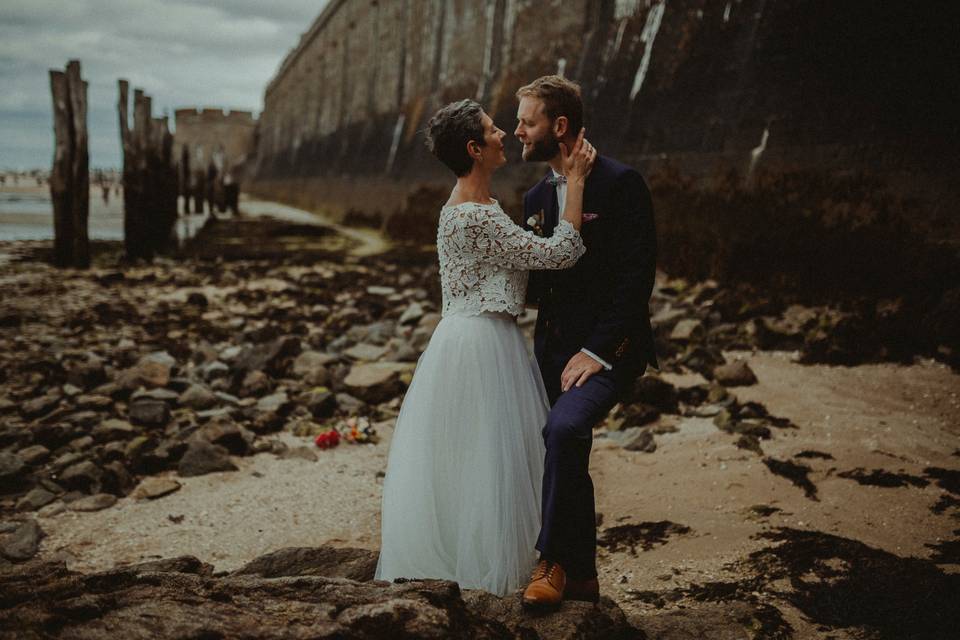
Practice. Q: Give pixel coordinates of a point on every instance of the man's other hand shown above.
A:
(578, 370)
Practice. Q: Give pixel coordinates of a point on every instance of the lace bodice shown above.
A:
(485, 257)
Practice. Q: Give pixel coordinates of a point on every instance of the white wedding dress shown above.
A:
(461, 496)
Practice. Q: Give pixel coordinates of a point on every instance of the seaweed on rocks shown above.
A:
(795, 473)
(836, 583)
(883, 478)
(947, 551)
(749, 442)
(810, 453)
(843, 583)
(944, 502)
(948, 479)
(645, 535)
(763, 510)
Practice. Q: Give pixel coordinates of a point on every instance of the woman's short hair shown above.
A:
(560, 97)
(449, 131)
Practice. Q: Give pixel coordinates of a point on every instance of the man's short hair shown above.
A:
(449, 131)
(560, 97)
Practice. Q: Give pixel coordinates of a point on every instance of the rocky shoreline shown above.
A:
(118, 380)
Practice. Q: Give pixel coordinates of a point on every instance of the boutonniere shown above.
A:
(587, 217)
(535, 222)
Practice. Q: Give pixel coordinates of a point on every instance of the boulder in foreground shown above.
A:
(183, 598)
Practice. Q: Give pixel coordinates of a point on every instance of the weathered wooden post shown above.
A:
(131, 201)
(185, 178)
(70, 177)
(149, 177)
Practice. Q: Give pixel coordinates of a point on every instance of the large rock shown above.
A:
(117, 479)
(224, 432)
(34, 454)
(202, 457)
(54, 435)
(277, 597)
(311, 367)
(93, 401)
(689, 330)
(255, 383)
(198, 397)
(96, 502)
(35, 498)
(278, 403)
(15, 436)
(150, 371)
(355, 564)
(23, 543)
(113, 429)
(656, 392)
(12, 468)
(153, 413)
(638, 439)
(39, 406)
(271, 357)
(153, 488)
(167, 395)
(321, 403)
(735, 374)
(412, 314)
(87, 373)
(214, 370)
(376, 382)
(82, 476)
(365, 352)
(574, 620)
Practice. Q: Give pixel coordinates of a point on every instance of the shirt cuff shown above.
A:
(605, 364)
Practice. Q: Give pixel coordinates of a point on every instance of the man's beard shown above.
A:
(543, 150)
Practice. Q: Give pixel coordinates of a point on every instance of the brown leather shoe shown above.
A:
(585, 590)
(546, 586)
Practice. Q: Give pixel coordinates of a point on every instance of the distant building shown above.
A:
(227, 137)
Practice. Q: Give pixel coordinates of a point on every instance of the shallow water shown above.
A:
(27, 214)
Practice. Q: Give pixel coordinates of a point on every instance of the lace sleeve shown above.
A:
(492, 237)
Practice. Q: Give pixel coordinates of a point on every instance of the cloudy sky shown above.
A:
(183, 53)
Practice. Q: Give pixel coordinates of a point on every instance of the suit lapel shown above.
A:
(592, 190)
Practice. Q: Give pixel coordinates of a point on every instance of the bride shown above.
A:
(461, 496)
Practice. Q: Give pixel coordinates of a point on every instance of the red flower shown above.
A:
(327, 439)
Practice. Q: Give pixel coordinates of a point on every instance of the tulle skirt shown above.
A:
(461, 495)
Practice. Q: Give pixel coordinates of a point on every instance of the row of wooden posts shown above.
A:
(150, 173)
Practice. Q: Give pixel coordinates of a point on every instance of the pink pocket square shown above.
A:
(587, 217)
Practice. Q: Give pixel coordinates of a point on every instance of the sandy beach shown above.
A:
(858, 461)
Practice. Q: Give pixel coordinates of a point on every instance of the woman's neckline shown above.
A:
(482, 204)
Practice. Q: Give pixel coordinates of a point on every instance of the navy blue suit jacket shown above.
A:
(601, 303)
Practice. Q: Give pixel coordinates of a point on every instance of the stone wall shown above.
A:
(824, 118)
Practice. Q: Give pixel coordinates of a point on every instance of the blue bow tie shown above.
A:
(555, 179)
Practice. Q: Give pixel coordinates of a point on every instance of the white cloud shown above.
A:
(182, 53)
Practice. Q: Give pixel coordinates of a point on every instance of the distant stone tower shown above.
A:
(224, 136)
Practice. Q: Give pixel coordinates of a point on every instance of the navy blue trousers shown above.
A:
(568, 533)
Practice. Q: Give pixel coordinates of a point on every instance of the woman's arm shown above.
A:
(495, 239)
(577, 164)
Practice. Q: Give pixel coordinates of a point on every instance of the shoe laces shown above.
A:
(544, 569)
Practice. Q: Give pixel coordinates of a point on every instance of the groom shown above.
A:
(593, 336)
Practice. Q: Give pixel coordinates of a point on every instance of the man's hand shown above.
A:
(578, 370)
